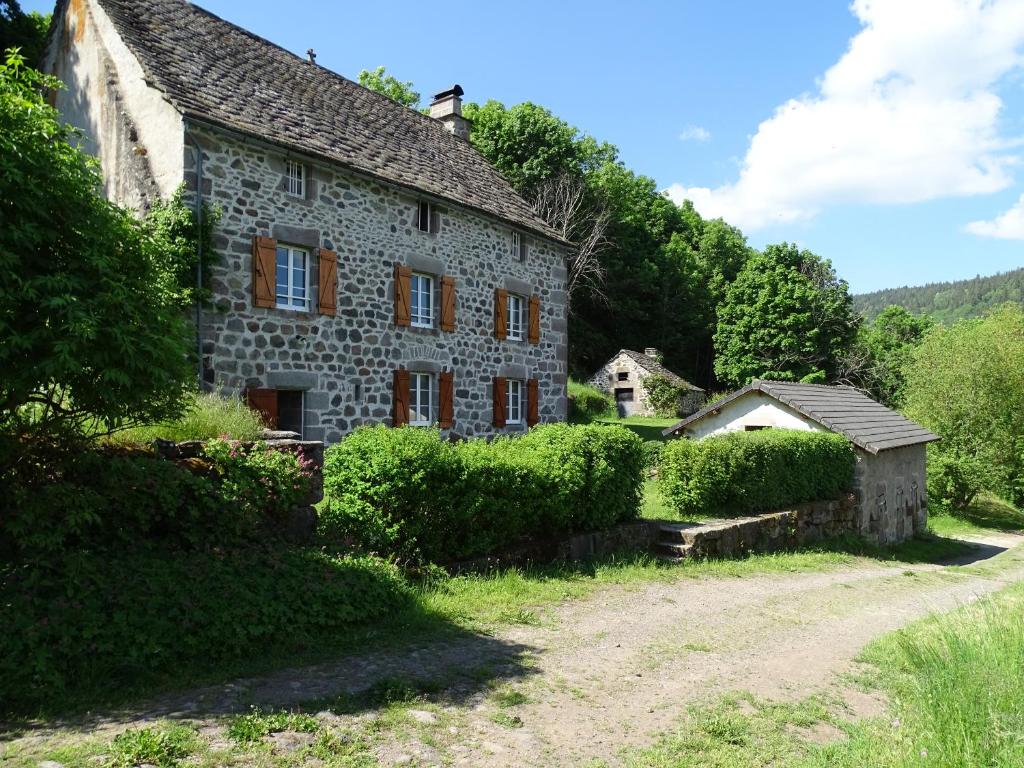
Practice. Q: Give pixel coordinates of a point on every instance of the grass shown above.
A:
(655, 506)
(163, 746)
(987, 513)
(647, 427)
(209, 415)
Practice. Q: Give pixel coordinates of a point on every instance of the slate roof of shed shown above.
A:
(651, 365)
(864, 422)
(216, 72)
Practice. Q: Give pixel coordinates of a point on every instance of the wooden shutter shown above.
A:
(403, 295)
(446, 400)
(498, 401)
(447, 303)
(328, 296)
(264, 402)
(532, 403)
(500, 314)
(400, 398)
(264, 270)
(534, 332)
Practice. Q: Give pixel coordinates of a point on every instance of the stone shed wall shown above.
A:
(345, 364)
(607, 380)
(891, 495)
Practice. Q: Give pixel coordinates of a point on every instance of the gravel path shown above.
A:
(620, 667)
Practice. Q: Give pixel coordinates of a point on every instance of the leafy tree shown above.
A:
(401, 91)
(877, 362)
(787, 316)
(91, 321)
(966, 384)
(25, 31)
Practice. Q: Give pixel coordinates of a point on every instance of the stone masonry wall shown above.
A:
(607, 380)
(345, 363)
(891, 494)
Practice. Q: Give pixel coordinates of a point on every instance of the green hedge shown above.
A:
(407, 492)
(88, 623)
(744, 472)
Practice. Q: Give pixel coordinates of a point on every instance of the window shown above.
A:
(426, 217)
(623, 375)
(754, 427)
(624, 395)
(421, 300)
(513, 401)
(519, 246)
(515, 317)
(289, 410)
(296, 173)
(292, 278)
(421, 391)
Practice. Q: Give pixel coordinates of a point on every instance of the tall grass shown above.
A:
(209, 415)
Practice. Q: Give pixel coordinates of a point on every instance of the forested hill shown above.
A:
(947, 302)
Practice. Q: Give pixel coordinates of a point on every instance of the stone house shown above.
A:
(623, 378)
(889, 481)
(370, 266)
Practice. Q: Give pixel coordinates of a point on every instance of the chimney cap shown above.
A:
(653, 352)
(455, 90)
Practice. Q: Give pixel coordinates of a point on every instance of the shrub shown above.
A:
(745, 472)
(101, 623)
(208, 415)
(652, 453)
(408, 493)
(588, 403)
(954, 480)
(664, 395)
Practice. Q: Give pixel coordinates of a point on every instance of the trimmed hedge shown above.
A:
(744, 472)
(408, 493)
(92, 623)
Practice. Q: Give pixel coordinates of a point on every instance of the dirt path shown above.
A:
(619, 668)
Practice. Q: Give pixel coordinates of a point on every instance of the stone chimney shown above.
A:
(654, 354)
(447, 107)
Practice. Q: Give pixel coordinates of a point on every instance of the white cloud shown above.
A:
(695, 133)
(909, 113)
(1007, 226)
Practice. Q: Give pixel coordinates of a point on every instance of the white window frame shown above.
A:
(416, 288)
(289, 300)
(516, 240)
(425, 223)
(296, 175)
(514, 402)
(516, 310)
(421, 385)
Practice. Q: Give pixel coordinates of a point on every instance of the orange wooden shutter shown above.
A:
(447, 303)
(328, 297)
(500, 314)
(534, 332)
(403, 295)
(264, 269)
(264, 402)
(400, 398)
(498, 398)
(446, 401)
(532, 403)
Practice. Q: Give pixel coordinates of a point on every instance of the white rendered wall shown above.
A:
(755, 409)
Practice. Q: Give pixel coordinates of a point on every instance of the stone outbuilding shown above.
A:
(623, 378)
(889, 481)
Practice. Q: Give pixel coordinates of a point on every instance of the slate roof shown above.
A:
(651, 365)
(864, 422)
(216, 72)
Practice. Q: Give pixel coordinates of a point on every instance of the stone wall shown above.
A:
(345, 364)
(891, 494)
(607, 380)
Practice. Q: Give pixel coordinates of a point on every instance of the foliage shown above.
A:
(587, 403)
(91, 322)
(966, 384)
(407, 492)
(124, 618)
(24, 31)
(954, 480)
(254, 725)
(401, 91)
(160, 746)
(743, 472)
(207, 415)
(71, 497)
(786, 317)
(664, 394)
(948, 302)
(878, 360)
(175, 234)
(652, 453)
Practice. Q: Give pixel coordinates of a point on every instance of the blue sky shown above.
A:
(883, 135)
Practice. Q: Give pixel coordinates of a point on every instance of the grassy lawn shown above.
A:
(954, 681)
(647, 427)
(988, 513)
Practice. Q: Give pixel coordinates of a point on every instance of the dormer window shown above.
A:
(427, 219)
(296, 174)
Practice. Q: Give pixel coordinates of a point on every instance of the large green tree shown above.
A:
(24, 31)
(91, 304)
(878, 360)
(787, 316)
(380, 81)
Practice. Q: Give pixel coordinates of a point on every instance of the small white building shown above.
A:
(623, 378)
(889, 481)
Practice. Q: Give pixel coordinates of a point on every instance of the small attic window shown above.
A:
(296, 174)
(520, 247)
(427, 218)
